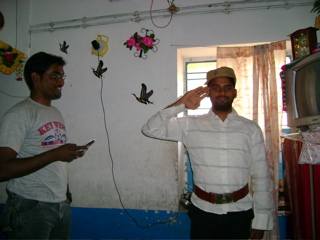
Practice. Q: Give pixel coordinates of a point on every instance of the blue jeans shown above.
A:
(31, 219)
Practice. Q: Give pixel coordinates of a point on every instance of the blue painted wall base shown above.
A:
(99, 223)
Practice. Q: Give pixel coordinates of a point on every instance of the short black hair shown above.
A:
(40, 63)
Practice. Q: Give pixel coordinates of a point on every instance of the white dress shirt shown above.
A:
(224, 156)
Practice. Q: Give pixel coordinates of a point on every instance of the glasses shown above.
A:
(57, 76)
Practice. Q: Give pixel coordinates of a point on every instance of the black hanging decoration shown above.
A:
(99, 71)
(144, 96)
(64, 47)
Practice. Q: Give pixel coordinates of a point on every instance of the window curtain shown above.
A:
(260, 99)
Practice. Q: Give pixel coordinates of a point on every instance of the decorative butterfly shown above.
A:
(64, 47)
(144, 96)
(99, 70)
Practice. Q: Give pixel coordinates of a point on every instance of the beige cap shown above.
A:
(221, 72)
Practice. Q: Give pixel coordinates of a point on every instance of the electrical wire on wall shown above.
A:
(112, 163)
(224, 7)
(14, 96)
(172, 9)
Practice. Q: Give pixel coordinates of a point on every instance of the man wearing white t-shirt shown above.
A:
(34, 154)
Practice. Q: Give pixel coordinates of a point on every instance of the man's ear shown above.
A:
(35, 78)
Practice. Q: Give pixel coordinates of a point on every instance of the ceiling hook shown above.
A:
(286, 5)
(136, 17)
(227, 8)
(84, 25)
(51, 27)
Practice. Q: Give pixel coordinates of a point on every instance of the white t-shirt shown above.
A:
(30, 128)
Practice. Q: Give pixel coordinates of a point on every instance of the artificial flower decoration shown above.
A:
(142, 44)
(10, 60)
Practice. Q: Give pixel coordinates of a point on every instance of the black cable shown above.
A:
(152, 18)
(12, 95)
(112, 169)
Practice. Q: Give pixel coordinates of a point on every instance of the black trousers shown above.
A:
(233, 225)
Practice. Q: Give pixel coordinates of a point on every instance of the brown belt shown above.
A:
(222, 198)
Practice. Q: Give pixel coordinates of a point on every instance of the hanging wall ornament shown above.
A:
(142, 44)
(99, 71)
(19, 69)
(64, 47)
(10, 58)
(100, 45)
(144, 96)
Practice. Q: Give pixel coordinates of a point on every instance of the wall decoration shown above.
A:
(64, 47)
(283, 86)
(100, 45)
(303, 41)
(19, 69)
(10, 59)
(99, 71)
(142, 44)
(144, 96)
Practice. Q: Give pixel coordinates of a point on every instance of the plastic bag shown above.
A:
(310, 152)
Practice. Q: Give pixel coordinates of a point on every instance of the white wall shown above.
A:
(145, 170)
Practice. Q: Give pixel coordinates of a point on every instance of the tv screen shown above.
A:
(302, 92)
(307, 90)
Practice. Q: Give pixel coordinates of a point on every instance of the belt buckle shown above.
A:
(224, 198)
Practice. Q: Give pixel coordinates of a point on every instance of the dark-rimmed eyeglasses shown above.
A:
(56, 76)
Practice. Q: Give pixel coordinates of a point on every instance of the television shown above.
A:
(302, 92)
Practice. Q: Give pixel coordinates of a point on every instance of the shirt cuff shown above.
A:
(262, 221)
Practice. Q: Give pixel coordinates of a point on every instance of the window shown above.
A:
(196, 75)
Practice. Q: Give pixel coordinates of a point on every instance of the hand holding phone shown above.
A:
(87, 145)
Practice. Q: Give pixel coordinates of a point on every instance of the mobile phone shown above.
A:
(87, 145)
